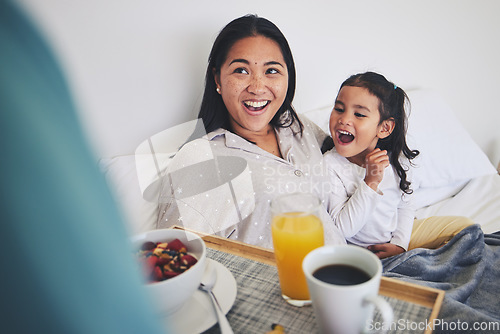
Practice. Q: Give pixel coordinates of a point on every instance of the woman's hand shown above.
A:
(375, 163)
(386, 250)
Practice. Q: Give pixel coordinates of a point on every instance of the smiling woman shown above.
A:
(247, 41)
(255, 148)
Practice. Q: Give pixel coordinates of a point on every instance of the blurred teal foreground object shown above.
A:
(65, 257)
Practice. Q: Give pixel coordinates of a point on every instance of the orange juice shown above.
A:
(295, 235)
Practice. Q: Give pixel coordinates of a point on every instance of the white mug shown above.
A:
(344, 307)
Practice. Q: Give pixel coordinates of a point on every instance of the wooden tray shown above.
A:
(390, 287)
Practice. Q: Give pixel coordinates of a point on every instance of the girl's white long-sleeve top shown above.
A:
(367, 217)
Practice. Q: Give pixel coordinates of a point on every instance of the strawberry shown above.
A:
(150, 264)
(188, 260)
(177, 245)
(158, 274)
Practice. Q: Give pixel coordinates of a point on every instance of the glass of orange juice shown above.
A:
(296, 230)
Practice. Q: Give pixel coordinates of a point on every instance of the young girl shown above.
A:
(373, 202)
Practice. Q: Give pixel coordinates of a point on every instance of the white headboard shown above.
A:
(137, 67)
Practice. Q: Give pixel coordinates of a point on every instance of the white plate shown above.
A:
(197, 314)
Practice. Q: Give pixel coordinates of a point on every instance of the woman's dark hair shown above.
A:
(393, 103)
(213, 111)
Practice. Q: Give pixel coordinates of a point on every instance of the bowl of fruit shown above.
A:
(173, 262)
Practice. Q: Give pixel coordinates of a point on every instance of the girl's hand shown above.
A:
(386, 250)
(375, 163)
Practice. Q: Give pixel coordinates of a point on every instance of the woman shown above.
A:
(256, 146)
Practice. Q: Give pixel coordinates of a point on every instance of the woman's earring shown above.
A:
(218, 90)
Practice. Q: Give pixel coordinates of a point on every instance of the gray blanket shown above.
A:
(468, 269)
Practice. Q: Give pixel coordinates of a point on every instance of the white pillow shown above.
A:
(479, 200)
(321, 117)
(122, 176)
(135, 178)
(447, 152)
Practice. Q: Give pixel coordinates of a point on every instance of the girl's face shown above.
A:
(253, 82)
(355, 123)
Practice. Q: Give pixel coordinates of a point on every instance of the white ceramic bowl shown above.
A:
(171, 294)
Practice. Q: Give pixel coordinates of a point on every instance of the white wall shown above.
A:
(137, 67)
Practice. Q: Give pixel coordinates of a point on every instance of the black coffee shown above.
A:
(341, 274)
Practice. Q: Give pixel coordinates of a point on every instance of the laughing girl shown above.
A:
(370, 169)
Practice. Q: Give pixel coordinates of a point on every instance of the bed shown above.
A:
(452, 177)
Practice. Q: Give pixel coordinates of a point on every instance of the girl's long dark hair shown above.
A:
(213, 112)
(393, 103)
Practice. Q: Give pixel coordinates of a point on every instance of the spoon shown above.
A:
(207, 284)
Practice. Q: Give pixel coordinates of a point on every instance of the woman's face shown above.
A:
(253, 82)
